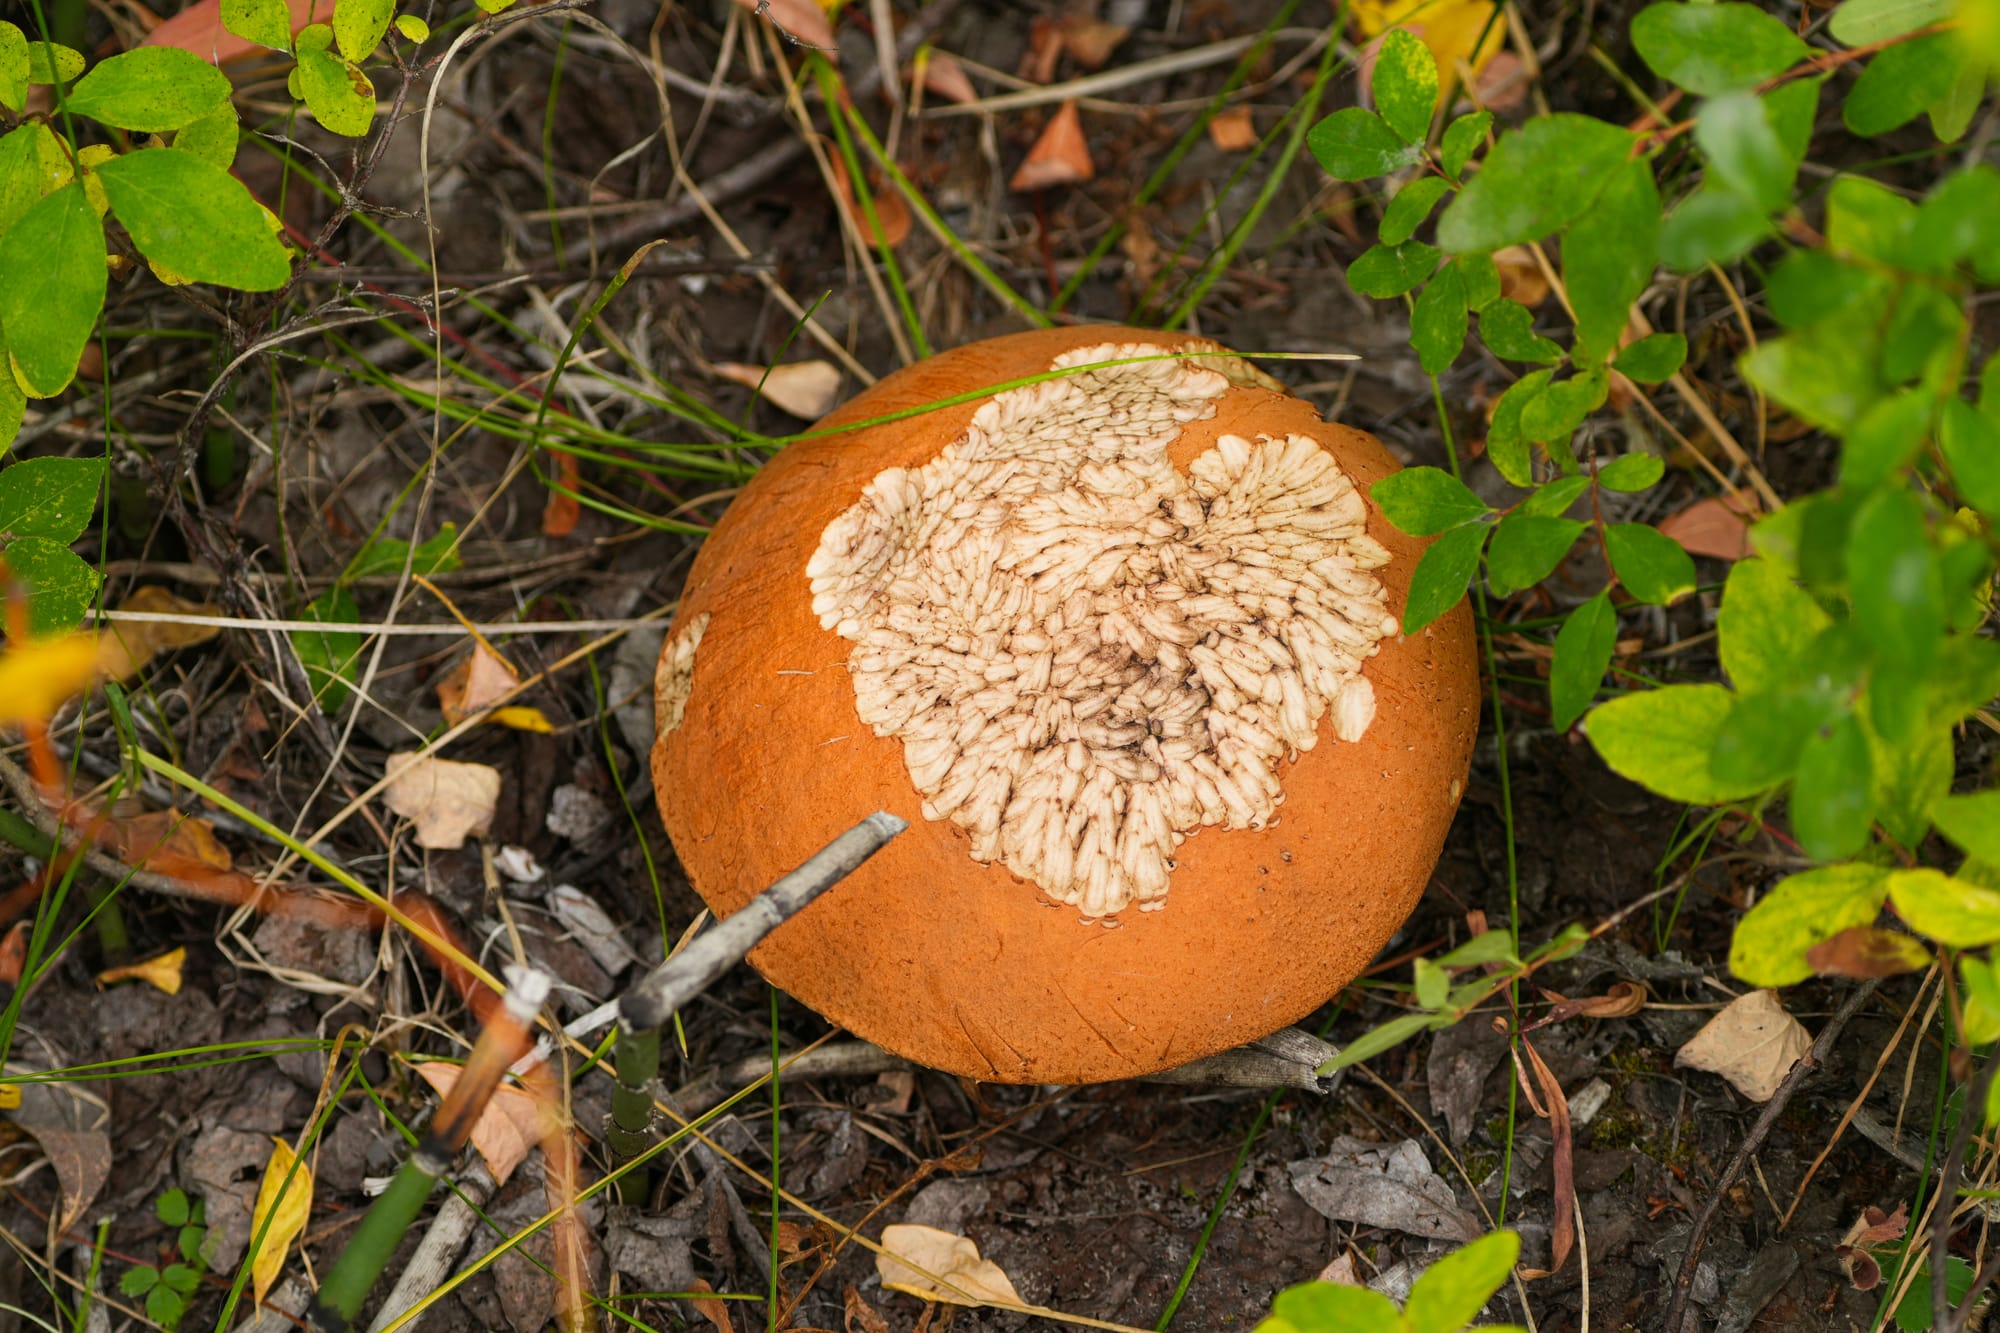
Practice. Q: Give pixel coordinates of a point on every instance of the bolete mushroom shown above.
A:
(1122, 646)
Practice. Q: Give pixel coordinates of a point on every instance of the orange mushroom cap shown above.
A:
(1122, 646)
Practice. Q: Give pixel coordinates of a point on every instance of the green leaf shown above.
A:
(358, 26)
(52, 62)
(1714, 49)
(181, 1278)
(1866, 22)
(195, 218)
(1482, 280)
(1553, 415)
(1453, 1291)
(1911, 776)
(1526, 548)
(1886, 437)
(13, 403)
(1959, 218)
(1771, 941)
(1833, 792)
(1948, 910)
(1405, 84)
(1811, 285)
(1382, 271)
(1535, 180)
(60, 585)
(1421, 501)
(1793, 108)
(1508, 330)
(1412, 204)
(339, 95)
(213, 138)
(13, 67)
(1893, 578)
(1826, 375)
(1438, 321)
(1633, 472)
(1583, 654)
(1769, 626)
(1711, 226)
(1432, 985)
(1927, 326)
(413, 28)
(49, 497)
(1663, 738)
(1609, 255)
(1555, 497)
(1506, 443)
(385, 555)
(1952, 113)
(1868, 220)
(1899, 83)
(1354, 144)
(1652, 566)
(153, 88)
(172, 1207)
(1442, 573)
(32, 164)
(1377, 1040)
(188, 1242)
(328, 655)
(1655, 357)
(52, 282)
(1914, 1311)
(1979, 1022)
(1760, 743)
(1973, 822)
(139, 1280)
(165, 1306)
(1492, 946)
(1320, 1307)
(1461, 139)
(1735, 135)
(261, 22)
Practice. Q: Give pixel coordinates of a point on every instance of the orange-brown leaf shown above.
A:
(1061, 156)
(1233, 131)
(164, 836)
(1713, 527)
(1863, 951)
(477, 682)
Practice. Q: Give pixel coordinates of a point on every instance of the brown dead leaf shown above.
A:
(1719, 527)
(562, 509)
(1060, 156)
(1038, 62)
(162, 973)
(806, 389)
(1090, 41)
(477, 682)
(14, 953)
(1233, 131)
(1873, 1227)
(1521, 278)
(714, 1310)
(890, 210)
(802, 21)
(161, 834)
(126, 646)
(446, 800)
(1862, 951)
(71, 1127)
(1621, 1001)
(861, 1316)
(942, 74)
(936, 1265)
(1503, 84)
(1753, 1043)
(505, 1130)
(1562, 1157)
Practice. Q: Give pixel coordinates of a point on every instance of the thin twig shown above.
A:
(1971, 1116)
(1800, 1071)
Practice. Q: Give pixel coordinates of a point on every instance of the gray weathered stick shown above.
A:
(650, 1003)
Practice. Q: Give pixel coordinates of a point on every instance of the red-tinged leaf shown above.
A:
(1719, 528)
(1060, 157)
(1863, 951)
(803, 22)
(1553, 1106)
(560, 514)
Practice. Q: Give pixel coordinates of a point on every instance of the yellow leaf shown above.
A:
(522, 719)
(1452, 29)
(161, 973)
(286, 1203)
(38, 675)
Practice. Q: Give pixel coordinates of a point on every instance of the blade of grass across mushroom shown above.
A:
(1184, 145)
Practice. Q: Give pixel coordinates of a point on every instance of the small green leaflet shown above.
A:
(153, 89)
(1869, 220)
(1663, 738)
(1452, 1291)
(1355, 144)
(1582, 655)
(1438, 321)
(60, 585)
(339, 95)
(1506, 443)
(1508, 330)
(1771, 942)
(1714, 49)
(262, 22)
(1911, 776)
(1412, 204)
(52, 282)
(1555, 497)
(1893, 577)
(1960, 218)
(1833, 792)
(1536, 179)
(196, 219)
(1866, 22)
(1405, 84)
(1609, 254)
(49, 497)
(1633, 472)
(328, 655)
(1711, 226)
(13, 403)
(213, 138)
(1735, 135)
(1442, 574)
(1383, 271)
(1973, 822)
(1331, 1307)
(1650, 564)
(1526, 549)
(1886, 437)
(13, 67)
(413, 28)
(1768, 625)
(1461, 140)
(66, 65)
(358, 26)
(1824, 375)
(1899, 83)
(1552, 416)
(1424, 501)
(385, 555)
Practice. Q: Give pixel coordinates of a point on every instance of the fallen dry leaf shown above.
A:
(1562, 1158)
(562, 509)
(1521, 278)
(1455, 30)
(162, 973)
(1503, 84)
(806, 389)
(70, 1125)
(445, 799)
(128, 645)
(1388, 1185)
(1753, 1043)
(161, 834)
(1873, 1227)
(923, 1260)
(802, 21)
(1719, 528)
(1090, 41)
(1059, 157)
(477, 682)
(890, 210)
(1038, 62)
(13, 959)
(285, 1199)
(712, 1308)
(1233, 131)
(861, 1316)
(505, 1130)
(942, 74)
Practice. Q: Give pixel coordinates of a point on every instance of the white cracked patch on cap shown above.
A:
(673, 678)
(1089, 656)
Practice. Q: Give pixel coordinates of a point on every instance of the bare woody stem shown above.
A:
(1971, 1118)
(651, 1003)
